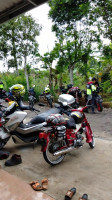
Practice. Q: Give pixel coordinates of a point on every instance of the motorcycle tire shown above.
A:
(49, 158)
(92, 144)
(50, 102)
(31, 103)
(3, 142)
(99, 107)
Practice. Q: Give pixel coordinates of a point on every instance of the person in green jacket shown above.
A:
(91, 92)
(1, 88)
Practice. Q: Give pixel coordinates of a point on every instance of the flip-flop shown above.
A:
(44, 183)
(84, 197)
(70, 194)
(36, 185)
(33, 182)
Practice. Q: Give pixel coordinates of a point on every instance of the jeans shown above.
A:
(93, 102)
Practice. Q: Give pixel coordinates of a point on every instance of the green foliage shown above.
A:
(107, 87)
(18, 40)
(66, 11)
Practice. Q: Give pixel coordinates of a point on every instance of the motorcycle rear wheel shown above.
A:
(99, 107)
(92, 144)
(49, 158)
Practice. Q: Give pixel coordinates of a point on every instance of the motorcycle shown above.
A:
(98, 99)
(61, 136)
(74, 91)
(47, 96)
(3, 94)
(12, 122)
(32, 99)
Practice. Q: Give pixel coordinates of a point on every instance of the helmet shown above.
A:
(11, 102)
(77, 116)
(17, 90)
(47, 90)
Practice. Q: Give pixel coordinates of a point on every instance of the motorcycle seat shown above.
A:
(42, 117)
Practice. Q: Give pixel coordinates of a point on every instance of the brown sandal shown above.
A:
(36, 185)
(70, 194)
(44, 184)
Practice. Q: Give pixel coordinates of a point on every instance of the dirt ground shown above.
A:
(88, 170)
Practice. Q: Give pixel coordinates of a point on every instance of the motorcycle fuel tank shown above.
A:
(67, 98)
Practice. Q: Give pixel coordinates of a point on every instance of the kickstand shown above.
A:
(35, 142)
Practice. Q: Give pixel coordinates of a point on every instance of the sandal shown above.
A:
(84, 197)
(32, 183)
(44, 184)
(36, 185)
(70, 194)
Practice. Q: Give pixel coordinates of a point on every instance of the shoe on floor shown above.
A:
(70, 194)
(15, 160)
(84, 197)
(4, 155)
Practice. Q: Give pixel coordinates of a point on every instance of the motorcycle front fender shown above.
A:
(3, 134)
(44, 139)
(88, 134)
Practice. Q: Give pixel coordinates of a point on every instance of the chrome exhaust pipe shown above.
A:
(64, 151)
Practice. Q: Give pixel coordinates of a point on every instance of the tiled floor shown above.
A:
(13, 188)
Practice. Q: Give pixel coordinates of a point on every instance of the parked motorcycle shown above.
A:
(74, 91)
(12, 121)
(62, 136)
(98, 99)
(31, 98)
(47, 95)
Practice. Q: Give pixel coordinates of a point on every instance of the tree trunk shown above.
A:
(50, 78)
(14, 52)
(26, 73)
(60, 80)
(71, 68)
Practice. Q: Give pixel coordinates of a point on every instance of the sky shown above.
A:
(47, 38)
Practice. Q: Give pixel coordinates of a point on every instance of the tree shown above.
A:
(102, 13)
(18, 42)
(72, 23)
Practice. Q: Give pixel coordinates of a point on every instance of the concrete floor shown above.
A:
(88, 170)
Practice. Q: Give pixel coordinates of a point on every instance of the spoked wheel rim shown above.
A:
(50, 158)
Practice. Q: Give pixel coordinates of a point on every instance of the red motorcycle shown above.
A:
(62, 136)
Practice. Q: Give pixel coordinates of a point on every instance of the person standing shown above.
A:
(1, 88)
(91, 92)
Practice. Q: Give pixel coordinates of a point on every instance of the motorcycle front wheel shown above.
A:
(31, 103)
(50, 102)
(48, 155)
